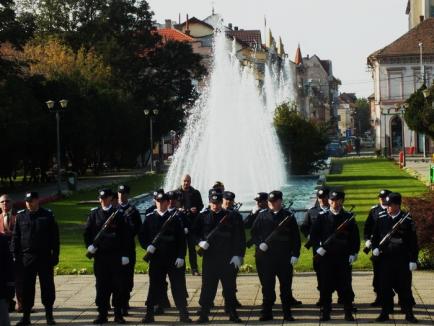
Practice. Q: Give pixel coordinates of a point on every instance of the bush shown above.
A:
(422, 211)
(303, 142)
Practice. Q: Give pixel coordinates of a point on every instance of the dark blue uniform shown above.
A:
(35, 245)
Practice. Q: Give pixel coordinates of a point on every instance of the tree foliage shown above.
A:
(419, 115)
(303, 142)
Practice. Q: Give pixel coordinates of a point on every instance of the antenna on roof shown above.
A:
(213, 10)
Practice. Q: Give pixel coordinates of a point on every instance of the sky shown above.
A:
(344, 31)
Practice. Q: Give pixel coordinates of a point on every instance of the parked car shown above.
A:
(335, 149)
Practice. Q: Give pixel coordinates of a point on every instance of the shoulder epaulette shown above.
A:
(93, 209)
(321, 213)
(204, 210)
(149, 214)
(263, 210)
(21, 211)
(375, 206)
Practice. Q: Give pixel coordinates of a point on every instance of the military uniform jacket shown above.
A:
(287, 242)
(6, 271)
(133, 223)
(346, 243)
(36, 236)
(172, 243)
(228, 241)
(403, 243)
(309, 218)
(115, 240)
(375, 212)
(250, 219)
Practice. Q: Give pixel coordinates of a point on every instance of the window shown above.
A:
(395, 85)
(432, 8)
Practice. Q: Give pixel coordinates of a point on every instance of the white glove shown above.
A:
(151, 249)
(368, 244)
(179, 262)
(92, 249)
(412, 266)
(185, 230)
(236, 261)
(352, 259)
(321, 251)
(263, 246)
(204, 245)
(294, 260)
(376, 252)
(125, 261)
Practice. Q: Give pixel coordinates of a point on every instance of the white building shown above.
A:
(396, 70)
(418, 11)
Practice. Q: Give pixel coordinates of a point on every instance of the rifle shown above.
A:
(157, 238)
(105, 226)
(309, 243)
(335, 234)
(213, 232)
(394, 229)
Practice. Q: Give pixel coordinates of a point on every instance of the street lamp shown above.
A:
(151, 114)
(52, 107)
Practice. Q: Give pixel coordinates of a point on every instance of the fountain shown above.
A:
(229, 134)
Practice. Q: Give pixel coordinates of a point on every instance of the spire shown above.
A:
(187, 26)
(298, 57)
(269, 40)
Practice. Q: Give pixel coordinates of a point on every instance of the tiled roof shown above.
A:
(298, 57)
(408, 44)
(249, 37)
(194, 20)
(171, 34)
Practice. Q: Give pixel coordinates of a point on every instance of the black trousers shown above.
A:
(269, 267)
(128, 279)
(215, 269)
(158, 270)
(44, 270)
(108, 275)
(395, 275)
(317, 273)
(335, 274)
(376, 284)
(192, 256)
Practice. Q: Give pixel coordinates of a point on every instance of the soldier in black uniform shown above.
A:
(396, 258)
(277, 257)
(7, 289)
(377, 211)
(133, 222)
(322, 205)
(222, 256)
(337, 256)
(191, 203)
(261, 204)
(111, 254)
(35, 244)
(168, 259)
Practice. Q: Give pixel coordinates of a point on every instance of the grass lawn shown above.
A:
(361, 179)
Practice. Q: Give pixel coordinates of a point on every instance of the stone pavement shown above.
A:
(75, 301)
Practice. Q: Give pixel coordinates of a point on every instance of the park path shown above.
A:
(75, 301)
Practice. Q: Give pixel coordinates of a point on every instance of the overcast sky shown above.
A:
(345, 31)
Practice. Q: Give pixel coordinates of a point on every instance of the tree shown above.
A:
(419, 115)
(362, 116)
(303, 142)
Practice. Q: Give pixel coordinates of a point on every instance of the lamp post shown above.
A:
(52, 107)
(151, 114)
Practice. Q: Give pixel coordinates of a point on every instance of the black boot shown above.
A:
(384, 316)
(349, 315)
(409, 316)
(233, 316)
(158, 310)
(119, 319)
(49, 316)
(203, 316)
(25, 320)
(266, 314)
(324, 315)
(294, 302)
(184, 316)
(101, 319)
(149, 317)
(287, 315)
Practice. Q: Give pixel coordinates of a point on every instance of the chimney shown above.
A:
(168, 23)
(187, 26)
(421, 18)
(235, 28)
(230, 25)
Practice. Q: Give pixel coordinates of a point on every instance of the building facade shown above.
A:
(418, 11)
(398, 70)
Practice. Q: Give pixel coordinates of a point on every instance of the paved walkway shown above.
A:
(84, 183)
(75, 297)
